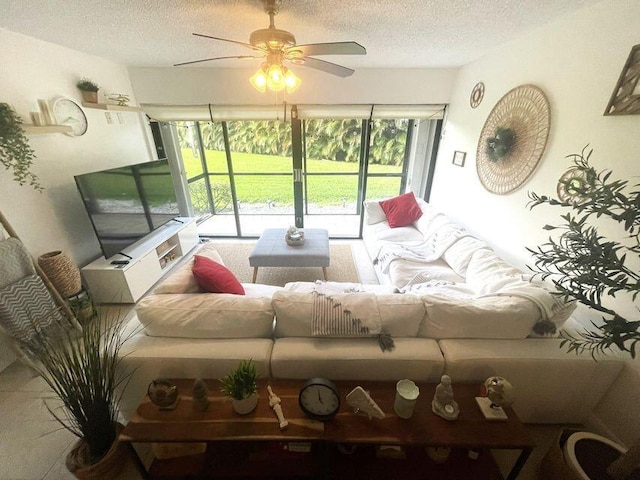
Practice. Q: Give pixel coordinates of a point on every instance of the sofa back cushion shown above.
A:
(206, 315)
(459, 254)
(400, 315)
(472, 317)
(487, 273)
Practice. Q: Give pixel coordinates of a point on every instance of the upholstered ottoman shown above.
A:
(271, 250)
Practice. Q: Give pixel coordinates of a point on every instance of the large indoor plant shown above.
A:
(83, 370)
(596, 271)
(241, 386)
(15, 153)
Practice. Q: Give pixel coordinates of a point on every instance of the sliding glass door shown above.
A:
(243, 176)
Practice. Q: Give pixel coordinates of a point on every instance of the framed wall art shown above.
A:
(458, 158)
(625, 99)
(513, 139)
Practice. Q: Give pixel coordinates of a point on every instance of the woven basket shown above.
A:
(108, 467)
(63, 273)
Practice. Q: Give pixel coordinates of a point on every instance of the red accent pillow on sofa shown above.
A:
(402, 210)
(215, 278)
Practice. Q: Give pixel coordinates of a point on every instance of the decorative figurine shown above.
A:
(163, 393)
(200, 395)
(274, 402)
(294, 236)
(362, 403)
(443, 403)
(497, 393)
(121, 98)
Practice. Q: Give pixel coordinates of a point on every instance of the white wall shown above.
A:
(55, 219)
(230, 86)
(576, 61)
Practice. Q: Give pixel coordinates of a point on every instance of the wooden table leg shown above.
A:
(515, 471)
(255, 274)
(324, 272)
(138, 462)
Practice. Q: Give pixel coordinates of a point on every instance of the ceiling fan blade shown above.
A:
(248, 45)
(333, 48)
(215, 58)
(328, 67)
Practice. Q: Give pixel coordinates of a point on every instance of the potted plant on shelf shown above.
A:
(241, 386)
(15, 152)
(83, 370)
(598, 272)
(89, 90)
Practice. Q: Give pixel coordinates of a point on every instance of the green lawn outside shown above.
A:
(323, 190)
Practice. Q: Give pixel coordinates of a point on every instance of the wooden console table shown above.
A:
(227, 432)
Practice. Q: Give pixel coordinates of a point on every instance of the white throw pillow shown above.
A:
(182, 279)
(373, 212)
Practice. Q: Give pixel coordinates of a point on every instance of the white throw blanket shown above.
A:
(553, 308)
(428, 251)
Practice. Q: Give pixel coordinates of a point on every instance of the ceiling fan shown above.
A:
(278, 47)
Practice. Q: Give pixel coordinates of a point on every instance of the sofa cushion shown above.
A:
(206, 315)
(382, 233)
(356, 359)
(550, 384)
(402, 210)
(400, 315)
(215, 278)
(373, 212)
(181, 280)
(489, 317)
(487, 273)
(403, 272)
(459, 254)
(337, 287)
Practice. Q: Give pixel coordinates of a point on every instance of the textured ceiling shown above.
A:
(396, 33)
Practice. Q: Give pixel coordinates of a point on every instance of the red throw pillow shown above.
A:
(401, 211)
(215, 278)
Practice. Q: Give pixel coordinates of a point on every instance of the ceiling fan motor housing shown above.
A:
(272, 39)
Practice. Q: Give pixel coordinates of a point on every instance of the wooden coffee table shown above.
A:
(224, 429)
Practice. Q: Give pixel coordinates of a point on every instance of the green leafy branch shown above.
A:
(585, 265)
(15, 152)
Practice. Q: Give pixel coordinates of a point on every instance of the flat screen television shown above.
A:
(127, 203)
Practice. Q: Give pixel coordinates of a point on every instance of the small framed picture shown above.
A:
(458, 158)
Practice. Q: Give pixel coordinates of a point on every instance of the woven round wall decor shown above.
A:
(525, 112)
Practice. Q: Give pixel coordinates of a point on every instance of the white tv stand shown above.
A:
(152, 257)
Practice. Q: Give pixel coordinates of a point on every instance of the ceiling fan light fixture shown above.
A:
(291, 81)
(275, 77)
(259, 79)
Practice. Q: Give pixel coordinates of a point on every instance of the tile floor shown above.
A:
(33, 446)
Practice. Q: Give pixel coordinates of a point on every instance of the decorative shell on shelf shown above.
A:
(163, 393)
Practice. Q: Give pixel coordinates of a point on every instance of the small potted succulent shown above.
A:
(89, 90)
(241, 386)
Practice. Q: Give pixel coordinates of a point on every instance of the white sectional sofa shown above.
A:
(462, 327)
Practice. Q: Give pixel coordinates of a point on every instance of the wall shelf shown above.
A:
(108, 106)
(44, 129)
